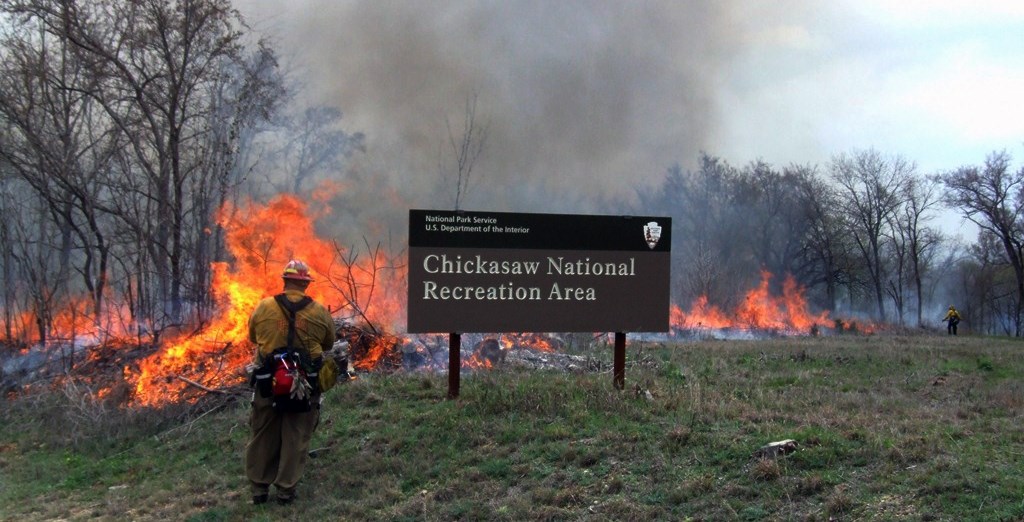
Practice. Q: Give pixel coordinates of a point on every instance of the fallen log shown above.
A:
(200, 386)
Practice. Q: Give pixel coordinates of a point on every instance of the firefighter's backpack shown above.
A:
(288, 375)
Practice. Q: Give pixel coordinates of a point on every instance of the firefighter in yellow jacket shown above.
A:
(276, 454)
(952, 319)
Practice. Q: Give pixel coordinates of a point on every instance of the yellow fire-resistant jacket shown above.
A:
(268, 327)
(952, 314)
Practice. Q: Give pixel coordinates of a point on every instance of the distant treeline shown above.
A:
(126, 126)
(859, 233)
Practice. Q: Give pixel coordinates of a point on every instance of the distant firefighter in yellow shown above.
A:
(952, 319)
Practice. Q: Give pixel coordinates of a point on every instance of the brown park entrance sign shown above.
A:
(493, 272)
(503, 272)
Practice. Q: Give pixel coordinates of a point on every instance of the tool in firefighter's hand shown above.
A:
(344, 375)
(340, 349)
(339, 354)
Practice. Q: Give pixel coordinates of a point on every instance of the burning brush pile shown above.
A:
(363, 292)
(139, 375)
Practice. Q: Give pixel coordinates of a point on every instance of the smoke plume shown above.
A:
(582, 101)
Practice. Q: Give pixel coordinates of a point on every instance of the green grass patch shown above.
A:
(887, 427)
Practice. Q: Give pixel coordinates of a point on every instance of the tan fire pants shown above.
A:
(277, 452)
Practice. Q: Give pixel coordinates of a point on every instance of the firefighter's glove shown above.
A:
(301, 388)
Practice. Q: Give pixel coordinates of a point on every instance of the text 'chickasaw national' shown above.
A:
(442, 264)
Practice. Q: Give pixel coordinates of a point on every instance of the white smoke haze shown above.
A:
(582, 101)
(585, 101)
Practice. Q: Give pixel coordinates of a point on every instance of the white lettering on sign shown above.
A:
(585, 267)
(571, 294)
(442, 264)
(434, 264)
(506, 292)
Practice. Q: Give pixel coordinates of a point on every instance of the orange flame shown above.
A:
(759, 311)
(533, 341)
(75, 321)
(378, 350)
(477, 362)
(261, 239)
(701, 315)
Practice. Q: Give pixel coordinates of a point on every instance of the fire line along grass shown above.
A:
(875, 427)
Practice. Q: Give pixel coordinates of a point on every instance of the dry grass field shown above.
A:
(886, 427)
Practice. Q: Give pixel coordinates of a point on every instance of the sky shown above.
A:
(938, 82)
(586, 101)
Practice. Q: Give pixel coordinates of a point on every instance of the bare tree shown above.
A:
(897, 260)
(61, 145)
(772, 204)
(36, 271)
(992, 197)
(314, 143)
(150, 61)
(701, 210)
(826, 248)
(246, 94)
(918, 209)
(173, 80)
(12, 208)
(127, 118)
(466, 150)
(872, 187)
(981, 280)
(7, 199)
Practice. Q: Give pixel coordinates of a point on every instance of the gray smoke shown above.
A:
(583, 100)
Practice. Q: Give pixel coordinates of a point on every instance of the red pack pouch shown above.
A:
(283, 376)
